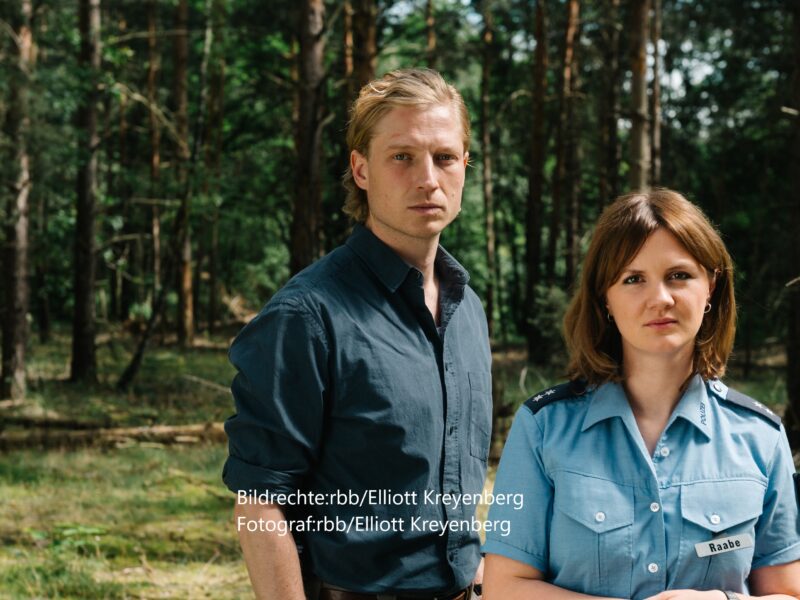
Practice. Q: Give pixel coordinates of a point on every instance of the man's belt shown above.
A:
(333, 594)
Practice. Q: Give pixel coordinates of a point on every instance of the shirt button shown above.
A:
(600, 516)
(652, 567)
(665, 451)
(714, 519)
(655, 507)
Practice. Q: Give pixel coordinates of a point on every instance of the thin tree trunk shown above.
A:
(430, 30)
(16, 255)
(213, 153)
(184, 271)
(305, 230)
(365, 48)
(793, 330)
(43, 318)
(155, 142)
(639, 141)
(609, 111)
(573, 160)
(486, 151)
(655, 126)
(533, 219)
(559, 177)
(84, 362)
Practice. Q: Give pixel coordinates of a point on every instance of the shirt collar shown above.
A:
(609, 400)
(392, 270)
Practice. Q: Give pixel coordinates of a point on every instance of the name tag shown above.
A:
(726, 544)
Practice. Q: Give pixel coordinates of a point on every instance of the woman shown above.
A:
(646, 473)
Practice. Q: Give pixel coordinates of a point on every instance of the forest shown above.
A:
(167, 165)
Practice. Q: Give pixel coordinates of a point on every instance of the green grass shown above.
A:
(139, 522)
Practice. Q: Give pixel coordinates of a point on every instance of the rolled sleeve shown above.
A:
(521, 470)
(778, 528)
(279, 393)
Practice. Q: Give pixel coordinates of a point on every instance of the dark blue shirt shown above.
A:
(372, 421)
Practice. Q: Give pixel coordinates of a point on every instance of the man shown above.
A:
(363, 391)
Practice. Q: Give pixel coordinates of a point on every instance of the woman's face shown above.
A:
(658, 300)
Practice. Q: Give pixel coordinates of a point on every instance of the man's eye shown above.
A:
(445, 157)
(401, 156)
(631, 279)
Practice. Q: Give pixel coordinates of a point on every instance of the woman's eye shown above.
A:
(680, 275)
(632, 279)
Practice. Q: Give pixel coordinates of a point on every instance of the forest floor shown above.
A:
(143, 519)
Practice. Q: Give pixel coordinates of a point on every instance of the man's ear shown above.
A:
(359, 168)
(466, 159)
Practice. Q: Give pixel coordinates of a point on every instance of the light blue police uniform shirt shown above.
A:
(601, 516)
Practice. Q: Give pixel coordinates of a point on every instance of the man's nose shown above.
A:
(426, 175)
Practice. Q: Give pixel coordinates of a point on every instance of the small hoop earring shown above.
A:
(708, 308)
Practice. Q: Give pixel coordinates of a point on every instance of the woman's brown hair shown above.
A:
(593, 341)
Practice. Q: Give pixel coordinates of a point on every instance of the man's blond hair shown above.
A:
(401, 88)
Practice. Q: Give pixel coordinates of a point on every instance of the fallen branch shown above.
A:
(113, 437)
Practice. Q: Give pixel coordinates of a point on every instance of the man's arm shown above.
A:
(271, 556)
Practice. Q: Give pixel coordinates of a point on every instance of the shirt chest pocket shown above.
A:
(591, 538)
(720, 516)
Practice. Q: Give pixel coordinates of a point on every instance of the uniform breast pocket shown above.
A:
(720, 516)
(480, 400)
(591, 545)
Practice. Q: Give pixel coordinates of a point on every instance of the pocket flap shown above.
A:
(720, 505)
(599, 504)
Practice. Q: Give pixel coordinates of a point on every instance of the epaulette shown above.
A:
(571, 389)
(740, 399)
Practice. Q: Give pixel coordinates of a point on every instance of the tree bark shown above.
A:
(184, 271)
(155, 142)
(559, 177)
(84, 362)
(655, 99)
(533, 217)
(486, 151)
(793, 330)
(365, 48)
(430, 30)
(16, 255)
(639, 140)
(609, 110)
(305, 231)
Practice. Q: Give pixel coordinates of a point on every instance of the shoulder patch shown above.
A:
(749, 403)
(571, 389)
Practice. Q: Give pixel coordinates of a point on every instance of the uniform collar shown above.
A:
(609, 400)
(392, 270)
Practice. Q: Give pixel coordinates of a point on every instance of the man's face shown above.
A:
(413, 173)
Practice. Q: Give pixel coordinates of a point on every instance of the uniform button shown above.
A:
(665, 451)
(714, 519)
(600, 516)
(652, 567)
(655, 507)
(717, 386)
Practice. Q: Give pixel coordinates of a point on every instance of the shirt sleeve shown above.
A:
(778, 527)
(279, 392)
(522, 472)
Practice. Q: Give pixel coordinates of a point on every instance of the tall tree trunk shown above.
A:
(609, 106)
(639, 141)
(155, 142)
(655, 125)
(573, 184)
(430, 30)
(16, 255)
(305, 231)
(559, 176)
(184, 271)
(793, 330)
(84, 363)
(365, 42)
(486, 151)
(533, 214)
(213, 154)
